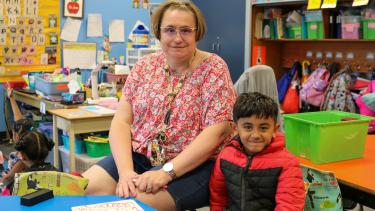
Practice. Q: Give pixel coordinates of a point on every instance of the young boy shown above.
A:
(255, 171)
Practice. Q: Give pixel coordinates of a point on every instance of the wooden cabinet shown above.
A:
(281, 53)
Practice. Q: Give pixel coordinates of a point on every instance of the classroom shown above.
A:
(187, 105)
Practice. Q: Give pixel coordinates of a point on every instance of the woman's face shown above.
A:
(177, 34)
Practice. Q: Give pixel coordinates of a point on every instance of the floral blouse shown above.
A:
(206, 97)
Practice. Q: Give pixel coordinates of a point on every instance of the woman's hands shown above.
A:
(125, 186)
(152, 181)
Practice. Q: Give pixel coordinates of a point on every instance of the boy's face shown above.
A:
(255, 133)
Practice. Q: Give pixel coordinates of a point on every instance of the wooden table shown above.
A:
(76, 121)
(34, 100)
(356, 177)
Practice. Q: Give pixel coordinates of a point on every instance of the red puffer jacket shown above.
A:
(269, 180)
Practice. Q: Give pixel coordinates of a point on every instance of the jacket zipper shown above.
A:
(243, 182)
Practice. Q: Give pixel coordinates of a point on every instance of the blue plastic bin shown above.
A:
(50, 87)
(79, 147)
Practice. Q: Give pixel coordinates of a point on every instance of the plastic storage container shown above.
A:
(50, 87)
(315, 30)
(116, 78)
(368, 29)
(295, 32)
(324, 137)
(350, 26)
(97, 148)
(79, 146)
(83, 162)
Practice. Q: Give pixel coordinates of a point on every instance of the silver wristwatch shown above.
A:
(168, 168)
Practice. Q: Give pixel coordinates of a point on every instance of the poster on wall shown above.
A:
(73, 8)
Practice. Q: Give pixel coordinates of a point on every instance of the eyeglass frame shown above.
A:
(177, 30)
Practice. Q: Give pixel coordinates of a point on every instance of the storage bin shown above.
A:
(97, 149)
(295, 32)
(47, 129)
(83, 162)
(315, 30)
(79, 146)
(350, 27)
(368, 29)
(324, 137)
(50, 87)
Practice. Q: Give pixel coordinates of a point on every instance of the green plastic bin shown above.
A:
(295, 32)
(323, 137)
(368, 29)
(315, 30)
(97, 149)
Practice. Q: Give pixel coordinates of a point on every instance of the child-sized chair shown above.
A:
(62, 184)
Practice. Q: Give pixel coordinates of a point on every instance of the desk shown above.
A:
(63, 203)
(76, 121)
(356, 177)
(34, 100)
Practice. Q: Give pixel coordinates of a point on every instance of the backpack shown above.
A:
(284, 82)
(312, 91)
(338, 96)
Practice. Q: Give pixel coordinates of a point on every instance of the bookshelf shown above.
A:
(281, 53)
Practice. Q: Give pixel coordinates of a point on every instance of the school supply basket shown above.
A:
(326, 136)
(97, 146)
(50, 87)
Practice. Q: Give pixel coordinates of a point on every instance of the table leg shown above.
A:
(71, 150)
(56, 141)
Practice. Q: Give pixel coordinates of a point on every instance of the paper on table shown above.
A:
(116, 31)
(98, 109)
(126, 205)
(71, 29)
(94, 25)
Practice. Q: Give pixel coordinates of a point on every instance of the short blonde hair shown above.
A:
(187, 6)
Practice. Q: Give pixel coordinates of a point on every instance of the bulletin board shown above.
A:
(29, 37)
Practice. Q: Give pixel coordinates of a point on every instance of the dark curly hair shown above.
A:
(35, 145)
(255, 103)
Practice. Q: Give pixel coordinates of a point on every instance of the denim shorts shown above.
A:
(189, 191)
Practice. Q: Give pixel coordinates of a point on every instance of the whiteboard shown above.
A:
(79, 55)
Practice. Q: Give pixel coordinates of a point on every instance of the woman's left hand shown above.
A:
(152, 181)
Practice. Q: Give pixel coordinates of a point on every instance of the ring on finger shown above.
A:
(148, 189)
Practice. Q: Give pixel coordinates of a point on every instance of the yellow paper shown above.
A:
(359, 3)
(314, 4)
(329, 4)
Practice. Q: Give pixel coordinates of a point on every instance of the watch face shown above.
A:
(168, 167)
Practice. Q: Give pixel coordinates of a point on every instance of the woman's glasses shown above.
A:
(183, 31)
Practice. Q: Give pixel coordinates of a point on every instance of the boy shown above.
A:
(254, 171)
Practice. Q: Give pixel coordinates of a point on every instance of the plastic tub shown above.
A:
(315, 30)
(368, 29)
(79, 146)
(350, 27)
(97, 149)
(50, 87)
(324, 137)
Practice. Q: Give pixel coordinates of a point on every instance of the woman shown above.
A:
(174, 113)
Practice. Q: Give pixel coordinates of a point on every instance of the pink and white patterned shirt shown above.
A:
(206, 97)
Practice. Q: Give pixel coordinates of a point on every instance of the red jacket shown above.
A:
(272, 180)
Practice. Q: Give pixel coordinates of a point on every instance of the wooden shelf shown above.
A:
(311, 40)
